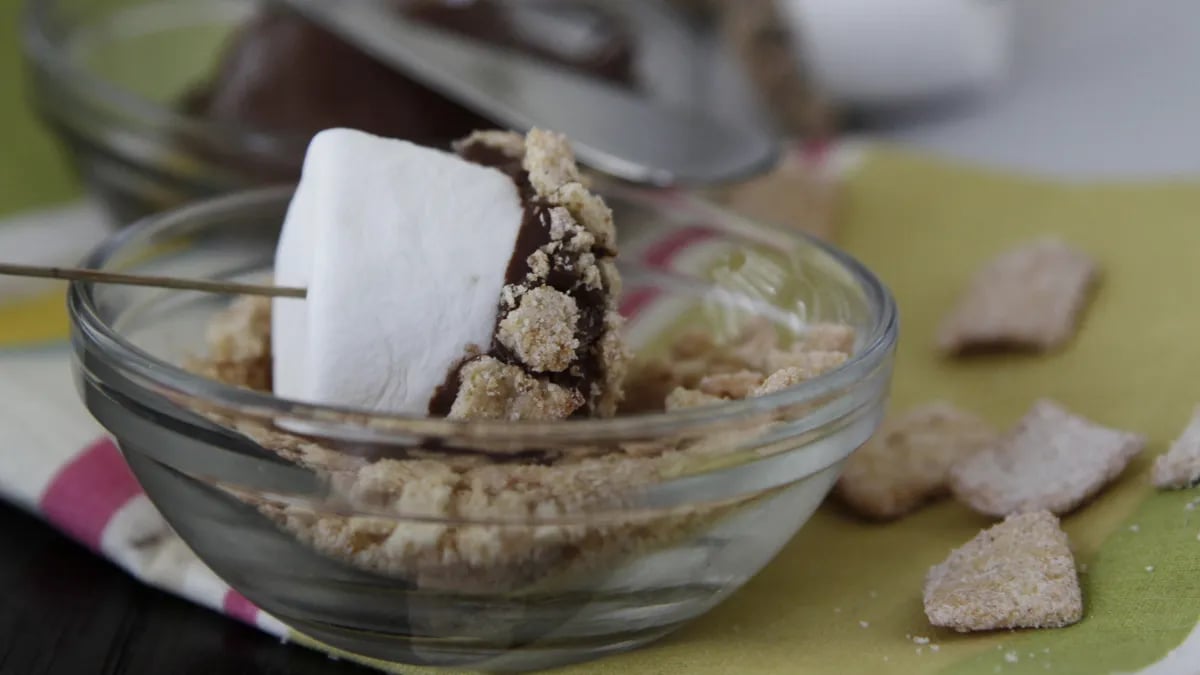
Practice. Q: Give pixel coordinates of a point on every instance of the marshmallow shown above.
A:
(479, 285)
(882, 52)
(403, 250)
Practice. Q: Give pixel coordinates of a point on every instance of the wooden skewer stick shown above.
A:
(202, 285)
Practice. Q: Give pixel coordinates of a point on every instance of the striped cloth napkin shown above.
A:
(54, 459)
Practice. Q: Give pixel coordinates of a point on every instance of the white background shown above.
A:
(1098, 89)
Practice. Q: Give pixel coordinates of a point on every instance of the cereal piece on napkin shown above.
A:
(1017, 574)
(908, 461)
(1028, 298)
(1053, 460)
(1180, 467)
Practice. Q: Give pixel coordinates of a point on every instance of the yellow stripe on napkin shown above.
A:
(34, 320)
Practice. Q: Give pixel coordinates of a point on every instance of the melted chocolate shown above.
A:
(283, 74)
(534, 234)
(443, 397)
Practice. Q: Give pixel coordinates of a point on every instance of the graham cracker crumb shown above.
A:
(239, 345)
(647, 386)
(737, 385)
(1028, 298)
(610, 278)
(811, 363)
(729, 368)
(539, 266)
(510, 143)
(615, 356)
(491, 390)
(541, 330)
(1180, 466)
(562, 224)
(908, 461)
(756, 339)
(582, 241)
(590, 211)
(1052, 461)
(828, 337)
(682, 398)
(592, 279)
(781, 379)
(1017, 574)
(692, 345)
(549, 161)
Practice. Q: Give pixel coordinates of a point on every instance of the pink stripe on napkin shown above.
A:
(662, 252)
(636, 300)
(88, 491)
(237, 606)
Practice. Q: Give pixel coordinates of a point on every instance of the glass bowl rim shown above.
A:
(173, 380)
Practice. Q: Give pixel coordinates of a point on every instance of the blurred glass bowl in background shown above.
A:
(109, 77)
(160, 102)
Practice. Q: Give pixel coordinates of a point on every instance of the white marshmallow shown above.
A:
(403, 250)
(884, 52)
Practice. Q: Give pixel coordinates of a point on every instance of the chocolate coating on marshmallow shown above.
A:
(557, 350)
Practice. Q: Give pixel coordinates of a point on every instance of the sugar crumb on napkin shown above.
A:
(1017, 574)
(1030, 298)
(1052, 460)
(908, 460)
(1180, 466)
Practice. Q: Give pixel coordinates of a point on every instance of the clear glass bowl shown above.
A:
(109, 77)
(595, 535)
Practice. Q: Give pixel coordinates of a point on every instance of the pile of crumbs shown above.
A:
(443, 487)
(699, 371)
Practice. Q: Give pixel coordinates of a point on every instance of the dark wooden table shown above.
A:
(64, 611)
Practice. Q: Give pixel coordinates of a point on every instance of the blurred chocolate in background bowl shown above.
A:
(283, 74)
(161, 102)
